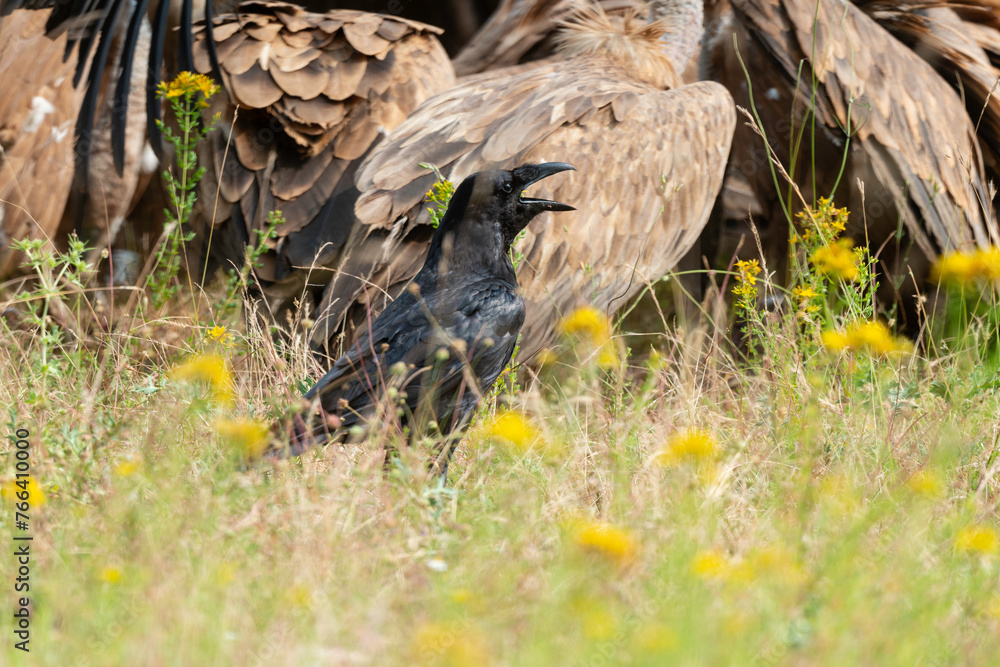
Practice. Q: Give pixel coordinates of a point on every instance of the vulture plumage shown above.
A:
(960, 39)
(521, 31)
(314, 92)
(906, 133)
(650, 155)
(37, 115)
(117, 52)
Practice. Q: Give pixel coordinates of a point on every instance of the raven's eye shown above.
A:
(507, 187)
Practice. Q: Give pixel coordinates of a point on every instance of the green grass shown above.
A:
(834, 523)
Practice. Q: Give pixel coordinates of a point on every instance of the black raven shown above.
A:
(450, 334)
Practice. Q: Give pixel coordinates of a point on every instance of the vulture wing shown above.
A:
(37, 113)
(649, 166)
(891, 103)
(958, 46)
(314, 92)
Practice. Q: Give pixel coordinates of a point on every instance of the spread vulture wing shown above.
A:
(314, 92)
(649, 166)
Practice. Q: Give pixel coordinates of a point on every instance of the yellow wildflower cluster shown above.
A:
(693, 444)
(964, 268)
(606, 540)
(220, 335)
(450, 644)
(210, 369)
(804, 298)
(746, 281)
(871, 337)
(23, 490)
(837, 259)
(825, 221)
(773, 563)
(512, 429)
(189, 84)
(248, 437)
(439, 195)
(590, 325)
(977, 539)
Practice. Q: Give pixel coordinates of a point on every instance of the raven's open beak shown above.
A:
(536, 172)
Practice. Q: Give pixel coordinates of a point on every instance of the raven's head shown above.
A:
(487, 212)
(492, 203)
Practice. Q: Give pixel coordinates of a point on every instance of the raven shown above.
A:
(450, 334)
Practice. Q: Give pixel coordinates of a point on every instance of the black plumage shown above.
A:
(451, 333)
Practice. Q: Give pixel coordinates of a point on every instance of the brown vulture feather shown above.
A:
(522, 30)
(314, 91)
(961, 41)
(650, 158)
(37, 114)
(915, 166)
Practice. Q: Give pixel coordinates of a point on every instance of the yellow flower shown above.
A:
(111, 575)
(513, 429)
(871, 337)
(23, 490)
(692, 444)
(988, 263)
(837, 259)
(745, 288)
(978, 539)
(220, 335)
(450, 644)
(211, 369)
(711, 564)
(587, 322)
(546, 357)
(189, 84)
(963, 268)
(126, 468)
(606, 540)
(299, 596)
(835, 341)
(249, 438)
(804, 293)
(748, 270)
(925, 483)
(590, 325)
(224, 574)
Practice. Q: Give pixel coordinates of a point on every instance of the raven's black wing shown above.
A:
(440, 350)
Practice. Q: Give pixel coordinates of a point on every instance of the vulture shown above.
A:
(306, 96)
(833, 87)
(650, 155)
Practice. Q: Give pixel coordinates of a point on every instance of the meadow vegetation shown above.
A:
(821, 492)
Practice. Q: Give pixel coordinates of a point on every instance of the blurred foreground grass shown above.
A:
(816, 507)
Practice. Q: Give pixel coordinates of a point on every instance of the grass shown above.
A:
(821, 495)
(838, 509)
